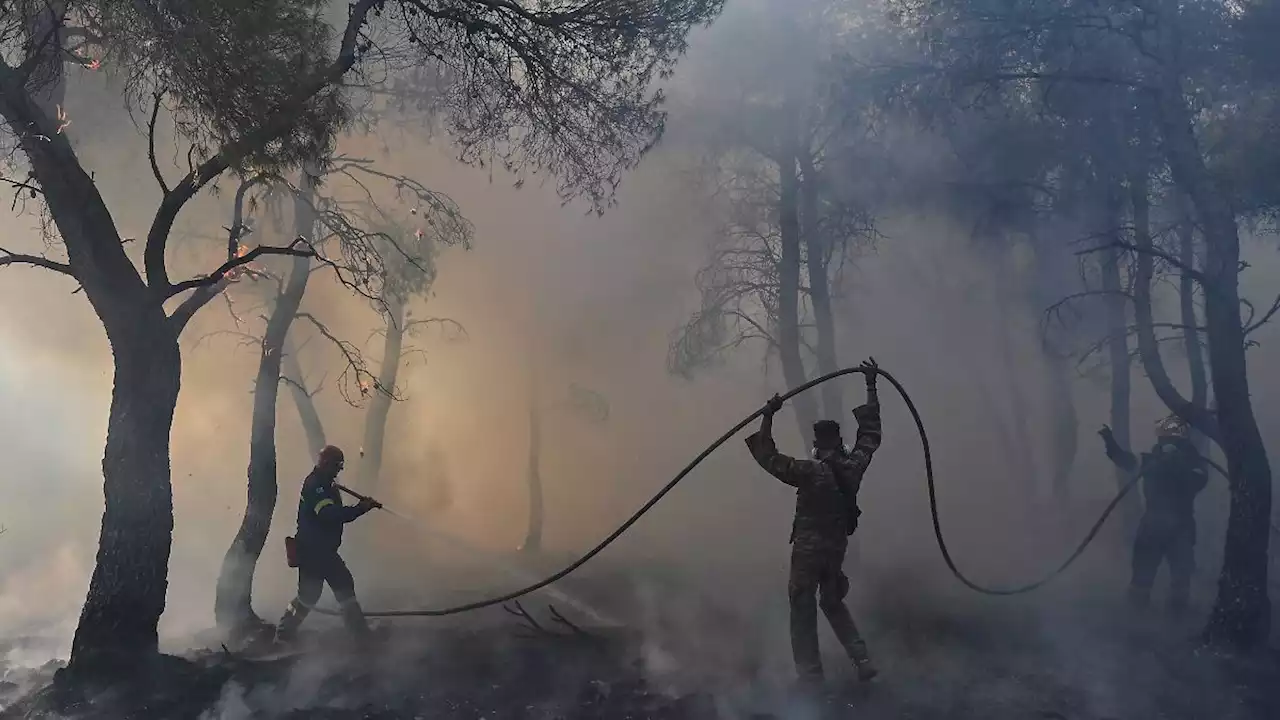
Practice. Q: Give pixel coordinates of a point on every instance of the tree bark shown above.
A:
(819, 286)
(1241, 616)
(233, 601)
(1118, 346)
(793, 371)
(117, 629)
(375, 420)
(308, 415)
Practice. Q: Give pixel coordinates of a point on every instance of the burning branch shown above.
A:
(356, 371)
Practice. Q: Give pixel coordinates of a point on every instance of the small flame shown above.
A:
(418, 233)
(242, 250)
(94, 64)
(364, 387)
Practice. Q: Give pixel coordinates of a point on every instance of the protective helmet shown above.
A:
(1172, 425)
(331, 456)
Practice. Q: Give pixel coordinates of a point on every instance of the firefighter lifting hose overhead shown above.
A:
(870, 371)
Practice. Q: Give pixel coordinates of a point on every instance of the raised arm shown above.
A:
(792, 471)
(869, 426)
(1123, 459)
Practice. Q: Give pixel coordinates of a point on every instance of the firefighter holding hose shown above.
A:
(321, 517)
(1174, 474)
(826, 515)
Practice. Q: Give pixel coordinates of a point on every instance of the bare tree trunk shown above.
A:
(375, 419)
(308, 415)
(1118, 347)
(1241, 616)
(116, 635)
(819, 287)
(117, 629)
(233, 603)
(1187, 305)
(533, 474)
(793, 371)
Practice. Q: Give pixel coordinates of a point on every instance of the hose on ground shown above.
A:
(933, 511)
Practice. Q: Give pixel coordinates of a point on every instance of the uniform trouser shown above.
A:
(1161, 541)
(818, 580)
(314, 571)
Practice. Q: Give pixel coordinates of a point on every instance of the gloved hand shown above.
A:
(1108, 438)
(368, 504)
(773, 406)
(871, 366)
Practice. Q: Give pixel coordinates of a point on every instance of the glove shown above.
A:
(773, 406)
(870, 366)
(368, 504)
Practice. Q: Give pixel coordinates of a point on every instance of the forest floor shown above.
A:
(938, 660)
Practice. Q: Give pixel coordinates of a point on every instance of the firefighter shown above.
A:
(321, 516)
(826, 515)
(1174, 475)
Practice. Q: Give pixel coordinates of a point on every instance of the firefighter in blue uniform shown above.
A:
(321, 517)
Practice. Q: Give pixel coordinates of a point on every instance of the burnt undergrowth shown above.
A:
(679, 653)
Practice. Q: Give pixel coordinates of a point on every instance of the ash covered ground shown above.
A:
(671, 653)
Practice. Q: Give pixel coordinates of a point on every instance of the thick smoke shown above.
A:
(591, 301)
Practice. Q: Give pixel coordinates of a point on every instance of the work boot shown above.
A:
(287, 631)
(353, 618)
(867, 670)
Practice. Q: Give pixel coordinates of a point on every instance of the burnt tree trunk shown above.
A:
(233, 600)
(816, 256)
(116, 634)
(1117, 324)
(376, 417)
(789, 352)
(1241, 616)
(117, 628)
(308, 415)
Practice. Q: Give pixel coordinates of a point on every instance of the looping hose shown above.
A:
(933, 510)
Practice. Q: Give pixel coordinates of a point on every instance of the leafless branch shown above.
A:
(523, 614)
(555, 614)
(1266, 317)
(357, 369)
(12, 258)
(151, 143)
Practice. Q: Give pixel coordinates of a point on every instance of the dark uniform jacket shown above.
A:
(826, 490)
(1175, 475)
(321, 516)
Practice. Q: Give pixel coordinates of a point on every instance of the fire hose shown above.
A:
(933, 511)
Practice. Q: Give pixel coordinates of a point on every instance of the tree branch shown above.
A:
(12, 258)
(151, 144)
(1148, 347)
(275, 125)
